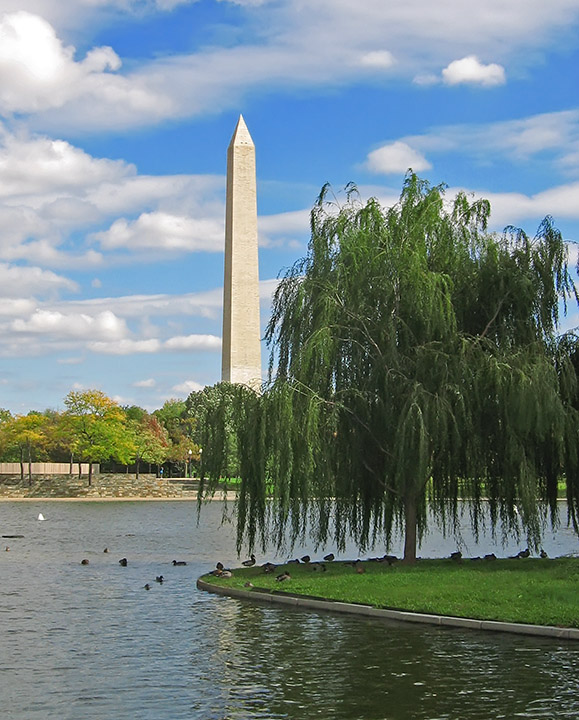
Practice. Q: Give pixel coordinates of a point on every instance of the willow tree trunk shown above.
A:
(409, 530)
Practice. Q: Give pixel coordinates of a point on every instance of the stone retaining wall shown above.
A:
(103, 486)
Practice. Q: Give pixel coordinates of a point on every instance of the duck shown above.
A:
(295, 561)
(219, 566)
(159, 579)
(147, 586)
(250, 562)
(490, 556)
(179, 562)
(106, 550)
(283, 576)
(456, 556)
(84, 562)
(123, 562)
(524, 553)
(305, 559)
(226, 574)
(329, 557)
(269, 567)
(543, 554)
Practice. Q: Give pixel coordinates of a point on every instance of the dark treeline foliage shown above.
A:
(417, 362)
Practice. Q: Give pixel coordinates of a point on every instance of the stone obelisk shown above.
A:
(241, 355)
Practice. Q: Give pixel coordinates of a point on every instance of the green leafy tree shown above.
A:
(24, 434)
(418, 362)
(97, 427)
(179, 426)
(150, 440)
(212, 410)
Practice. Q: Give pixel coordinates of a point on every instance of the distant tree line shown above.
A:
(93, 428)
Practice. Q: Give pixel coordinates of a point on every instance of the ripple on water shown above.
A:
(91, 643)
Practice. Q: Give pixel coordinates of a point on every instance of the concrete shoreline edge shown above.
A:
(396, 615)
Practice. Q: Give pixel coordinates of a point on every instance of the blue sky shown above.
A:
(115, 116)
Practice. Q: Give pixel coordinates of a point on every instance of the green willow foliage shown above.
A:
(418, 363)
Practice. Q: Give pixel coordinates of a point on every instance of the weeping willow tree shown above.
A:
(417, 363)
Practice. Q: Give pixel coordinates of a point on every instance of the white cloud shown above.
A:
(37, 72)
(19, 307)
(104, 326)
(518, 140)
(206, 304)
(17, 281)
(397, 157)
(469, 70)
(163, 231)
(40, 168)
(379, 59)
(129, 346)
(193, 342)
(126, 346)
(187, 387)
(283, 228)
(70, 360)
(511, 208)
(51, 190)
(305, 44)
(148, 383)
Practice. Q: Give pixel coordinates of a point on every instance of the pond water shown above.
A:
(90, 643)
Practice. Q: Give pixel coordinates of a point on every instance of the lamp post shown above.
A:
(189, 453)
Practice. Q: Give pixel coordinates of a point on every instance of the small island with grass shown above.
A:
(525, 591)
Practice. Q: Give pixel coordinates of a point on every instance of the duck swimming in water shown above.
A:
(179, 562)
(123, 562)
(159, 579)
(84, 562)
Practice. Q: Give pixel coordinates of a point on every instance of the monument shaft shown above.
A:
(241, 354)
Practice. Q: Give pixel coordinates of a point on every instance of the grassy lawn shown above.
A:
(536, 591)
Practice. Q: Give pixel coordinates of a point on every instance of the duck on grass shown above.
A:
(537, 591)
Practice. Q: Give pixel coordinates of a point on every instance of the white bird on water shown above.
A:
(40, 517)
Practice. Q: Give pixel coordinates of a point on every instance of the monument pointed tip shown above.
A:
(241, 135)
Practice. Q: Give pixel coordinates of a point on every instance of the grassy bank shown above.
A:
(535, 591)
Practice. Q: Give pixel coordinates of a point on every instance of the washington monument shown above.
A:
(241, 355)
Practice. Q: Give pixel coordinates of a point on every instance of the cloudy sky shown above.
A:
(115, 116)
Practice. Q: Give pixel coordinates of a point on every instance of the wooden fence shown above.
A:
(38, 468)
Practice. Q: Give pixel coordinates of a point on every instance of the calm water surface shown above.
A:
(90, 643)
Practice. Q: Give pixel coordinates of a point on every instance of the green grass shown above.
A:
(535, 591)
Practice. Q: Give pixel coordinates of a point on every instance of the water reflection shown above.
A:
(90, 642)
